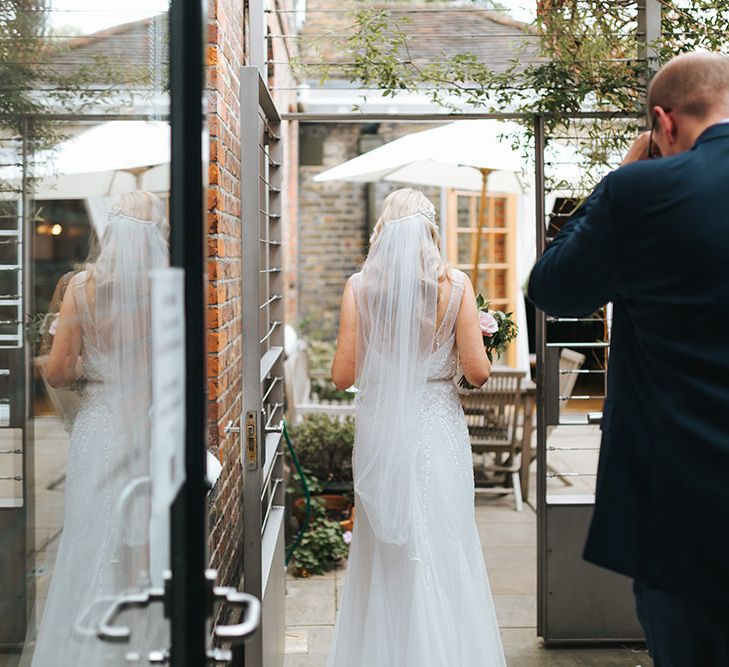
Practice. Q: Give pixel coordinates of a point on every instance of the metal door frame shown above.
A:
(261, 420)
(577, 602)
(15, 518)
(189, 601)
(189, 604)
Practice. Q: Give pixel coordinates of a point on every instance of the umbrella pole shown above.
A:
(479, 228)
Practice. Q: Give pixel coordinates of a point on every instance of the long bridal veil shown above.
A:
(397, 297)
(105, 548)
(133, 244)
(416, 592)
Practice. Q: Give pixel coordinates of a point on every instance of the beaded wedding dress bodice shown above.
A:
(425, 603)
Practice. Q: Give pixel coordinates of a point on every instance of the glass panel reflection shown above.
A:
(83, 221)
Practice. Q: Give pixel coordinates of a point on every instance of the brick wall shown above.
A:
(333, 229)
(334, 222)
(228, 36)
(225, 57)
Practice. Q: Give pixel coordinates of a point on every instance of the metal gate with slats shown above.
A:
(577, 601)
(263, 404)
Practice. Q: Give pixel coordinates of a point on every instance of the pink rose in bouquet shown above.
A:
(489, 325)
(498, 330)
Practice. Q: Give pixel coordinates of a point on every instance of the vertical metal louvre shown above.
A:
(13, 162)
(15, 289)
(263, 397)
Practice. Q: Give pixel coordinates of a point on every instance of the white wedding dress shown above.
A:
(422, 599)
(86, 573)
(104, 548)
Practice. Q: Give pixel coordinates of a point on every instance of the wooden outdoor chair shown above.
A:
(492, 414)
(297, 383)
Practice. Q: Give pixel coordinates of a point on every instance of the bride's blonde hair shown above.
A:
(406, 202)
(142, 206)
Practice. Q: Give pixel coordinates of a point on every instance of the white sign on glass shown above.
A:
(167, 450)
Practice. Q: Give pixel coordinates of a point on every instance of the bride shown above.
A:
(416, 592)
(102, 342)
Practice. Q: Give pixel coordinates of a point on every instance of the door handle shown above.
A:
(220, 656)
(251, 606)
(108, 631)
(215, 656)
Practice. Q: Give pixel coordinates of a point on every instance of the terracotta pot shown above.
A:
(348, 524)
(338, 508)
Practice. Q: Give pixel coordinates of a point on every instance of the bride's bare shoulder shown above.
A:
(456, 276)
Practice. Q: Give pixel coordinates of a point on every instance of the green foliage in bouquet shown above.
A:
(38, 331)
(506, 329)
(498, 330)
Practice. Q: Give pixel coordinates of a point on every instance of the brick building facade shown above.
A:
(228, 50)
(335, 218)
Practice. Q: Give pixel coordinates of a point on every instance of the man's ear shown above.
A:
(667, 125)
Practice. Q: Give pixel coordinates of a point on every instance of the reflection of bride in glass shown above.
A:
(103, 339)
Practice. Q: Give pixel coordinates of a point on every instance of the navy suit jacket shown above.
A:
(653, 238)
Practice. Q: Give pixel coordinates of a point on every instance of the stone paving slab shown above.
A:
(509, 543)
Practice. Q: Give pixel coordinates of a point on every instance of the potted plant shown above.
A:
(324, 446)
(326, 527)
(322, 546)
(337, 507)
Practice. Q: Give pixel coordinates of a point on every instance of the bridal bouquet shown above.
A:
(498, 330)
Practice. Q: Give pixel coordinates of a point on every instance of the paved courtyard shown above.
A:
(509, 541)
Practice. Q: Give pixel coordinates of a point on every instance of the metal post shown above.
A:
(540, 344)
(25, 257)
(250, 133)
(649, 31)
(189, 531)
(259, 50)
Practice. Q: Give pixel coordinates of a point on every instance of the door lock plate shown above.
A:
(251, 436)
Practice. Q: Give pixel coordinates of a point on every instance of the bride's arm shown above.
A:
(343, 366)
(63, 358)
(475, 363)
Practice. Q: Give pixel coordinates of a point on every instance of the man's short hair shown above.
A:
(694, 84)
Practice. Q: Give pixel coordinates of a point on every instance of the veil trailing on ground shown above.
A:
(397, 297)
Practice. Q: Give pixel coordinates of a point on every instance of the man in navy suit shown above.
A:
(653, 239)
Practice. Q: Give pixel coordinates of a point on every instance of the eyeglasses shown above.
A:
(652, 154)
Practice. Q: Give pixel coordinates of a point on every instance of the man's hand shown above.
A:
(639, 149)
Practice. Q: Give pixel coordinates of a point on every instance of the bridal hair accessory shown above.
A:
(427, 213)
(129, 218)
(141, 209)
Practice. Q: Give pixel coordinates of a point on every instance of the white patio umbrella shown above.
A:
(458, 155)
(466, 155)
(107, 159)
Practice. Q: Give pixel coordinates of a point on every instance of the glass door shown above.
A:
(102, 376)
